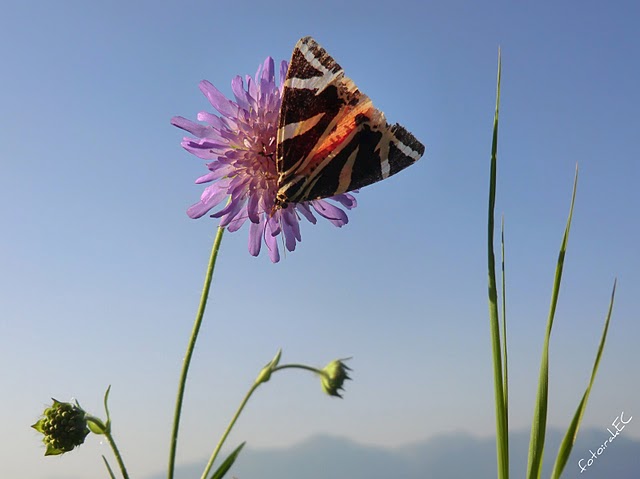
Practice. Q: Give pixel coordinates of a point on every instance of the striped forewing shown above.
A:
(331, 139)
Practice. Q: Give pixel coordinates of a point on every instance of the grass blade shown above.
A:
(504, 332)
(227, 463)
(502, 431)
(570, 437)
(109, 470)
(539, 423)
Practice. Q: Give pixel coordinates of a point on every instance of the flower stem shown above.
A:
(232, 423)
(189, 353)
(214, 455)
(299, 366)
(116, 453)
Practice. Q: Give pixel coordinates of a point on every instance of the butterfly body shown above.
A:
(331, 139)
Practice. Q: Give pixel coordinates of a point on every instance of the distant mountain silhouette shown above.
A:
(450, 456)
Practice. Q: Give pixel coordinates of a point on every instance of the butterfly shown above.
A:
(331, 139)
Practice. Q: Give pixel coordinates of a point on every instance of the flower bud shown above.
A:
(333, 376)
(64, 426)
(265, 373)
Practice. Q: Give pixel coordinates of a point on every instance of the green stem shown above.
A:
(116, 453)
(216, 451)
(233, 421)
(504, 336)
(189, 353)
(298, 366)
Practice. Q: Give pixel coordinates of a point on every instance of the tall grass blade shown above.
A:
(539, 424)
(502, 431)
(572, 432)
(505, 378)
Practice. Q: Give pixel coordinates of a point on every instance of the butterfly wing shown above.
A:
(331, 139)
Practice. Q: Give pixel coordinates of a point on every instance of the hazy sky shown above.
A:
(101, 269)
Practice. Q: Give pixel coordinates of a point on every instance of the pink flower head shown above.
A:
(239, 145)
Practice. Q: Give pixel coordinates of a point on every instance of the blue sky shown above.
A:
(101, 269)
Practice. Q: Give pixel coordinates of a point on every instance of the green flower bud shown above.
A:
(64, 426)
(333, 376)
(265, 373)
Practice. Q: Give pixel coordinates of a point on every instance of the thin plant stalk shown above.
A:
(502, 431)
(116, 453)
(539, 423)
(109, 470)
(97, 426)
(504, 335)
(572, 432)
(233, 421)
(189, 353)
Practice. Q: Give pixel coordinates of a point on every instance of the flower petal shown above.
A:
(290, 229)
(304, 209)
(252, 86)
(192, 127)
(252, 208)
(221, 170)
(230, 211)
(334, 214)
(284, 67)
(242, 97)
(236, 223)
(204, 148)
(274, 223)
(218, 100)
(215, 121)
(268, 73)
(271, 240)
(345, 199)
(211, 197)
(256, 231)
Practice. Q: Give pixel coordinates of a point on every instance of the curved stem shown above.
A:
(298, 366)
(116, 453)
(190, 347)
(232, 423)
(214, 455)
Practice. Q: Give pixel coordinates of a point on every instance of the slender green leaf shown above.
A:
(572, 432)
(502, 431)
(504, 332)
(109, 470)
(539, 423)
(228, 462)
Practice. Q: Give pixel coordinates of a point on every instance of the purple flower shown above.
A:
(240, 147)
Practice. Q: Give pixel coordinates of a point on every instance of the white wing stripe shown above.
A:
(318, 83)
